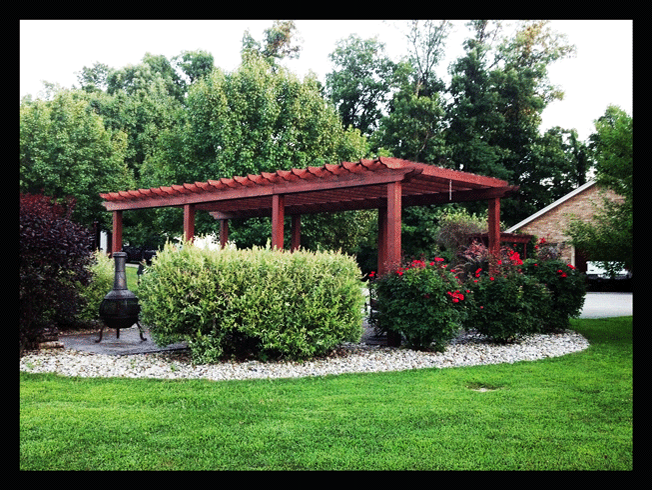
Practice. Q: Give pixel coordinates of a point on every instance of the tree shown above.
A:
(361, 83)
(65, 150)
(278, 43)
(609, 237)
(427, 41)
(195, 64)
(498, 90)
(255, 119)
(472, 119)
(132, 79)
(94, 78)
(413, 129)
(142, 101)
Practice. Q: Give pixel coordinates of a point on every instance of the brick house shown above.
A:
(552, 221)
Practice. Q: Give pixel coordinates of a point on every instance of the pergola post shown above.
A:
(392, 238)
(278, 216)
(389, 230)
(296, 232)
(382, 240)
(224, 232)
(188, 222)
(393, 227)
(494, 226)
(116, 241)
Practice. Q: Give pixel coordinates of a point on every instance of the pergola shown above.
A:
(386, 184)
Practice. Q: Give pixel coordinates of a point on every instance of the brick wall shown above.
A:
(552, 225)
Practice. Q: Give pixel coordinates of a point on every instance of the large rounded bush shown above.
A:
(506, 305)
(258, 302)
(567, 288)
(423, 302)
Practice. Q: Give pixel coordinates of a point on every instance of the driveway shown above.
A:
(601, 305)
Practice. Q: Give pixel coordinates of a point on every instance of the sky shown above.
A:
(601, 73)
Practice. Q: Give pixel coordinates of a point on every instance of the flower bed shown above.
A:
(504, 298)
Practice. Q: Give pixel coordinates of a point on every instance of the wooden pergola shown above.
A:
(386, 184)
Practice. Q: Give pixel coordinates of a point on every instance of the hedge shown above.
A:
(260, 303)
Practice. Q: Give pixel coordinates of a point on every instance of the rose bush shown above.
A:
(506, 303)
(423, 302)
(522, 297)
(567, 288)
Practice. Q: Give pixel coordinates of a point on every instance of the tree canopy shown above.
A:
(166, 121)
(609, 236)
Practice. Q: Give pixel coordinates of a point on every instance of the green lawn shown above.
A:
(569, 413)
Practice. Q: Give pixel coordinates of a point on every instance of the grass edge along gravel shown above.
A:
(573, 412)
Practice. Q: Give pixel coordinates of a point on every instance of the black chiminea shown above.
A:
(120, 308)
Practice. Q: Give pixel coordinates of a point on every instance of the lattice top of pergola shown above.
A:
(337, 187)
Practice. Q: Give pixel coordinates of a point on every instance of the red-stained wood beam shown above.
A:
(116, 241)
(296, 232)
(238, 191)
(278, 216)
(189, 222)
(494, 226)
(224, 232)
(393, 225)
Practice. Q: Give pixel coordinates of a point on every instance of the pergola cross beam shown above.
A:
(387, 184)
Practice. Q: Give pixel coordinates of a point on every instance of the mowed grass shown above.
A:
(568, 413)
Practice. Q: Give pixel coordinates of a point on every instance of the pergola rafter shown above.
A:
(387, 184)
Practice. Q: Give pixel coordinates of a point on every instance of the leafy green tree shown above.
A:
(194, 64)
(279, 43)
(472, 119)
(499, 89)
(361, 83)
(65, 150)
(94, 78)
(142, 101)
(427, 40)
(132, 79)
(255, 119)
(413, 128)
(609, 237)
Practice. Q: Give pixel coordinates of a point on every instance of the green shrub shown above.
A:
(506, 304)
(567, 288)
(422, 302)
(258, 302)
(103, 275)
(523, 297)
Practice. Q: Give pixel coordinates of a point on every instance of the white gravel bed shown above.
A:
(469, 349)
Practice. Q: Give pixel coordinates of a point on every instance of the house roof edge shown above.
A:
(550, 206)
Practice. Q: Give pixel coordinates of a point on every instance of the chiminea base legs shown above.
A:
(117, 333)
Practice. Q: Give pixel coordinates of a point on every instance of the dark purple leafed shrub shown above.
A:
(54, 254)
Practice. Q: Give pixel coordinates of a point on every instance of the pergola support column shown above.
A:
(278, 216)
(116, 240)
(382, 240)
(224, 232)
(296, 232)
(188, 222)
(393, 225)
(389, 240)
(494, 227)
